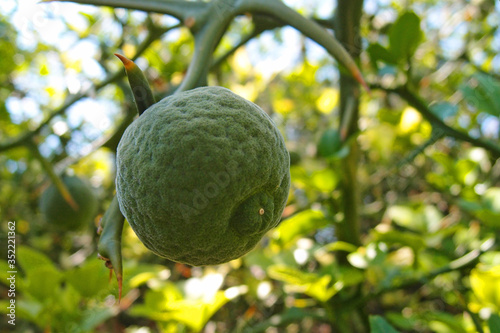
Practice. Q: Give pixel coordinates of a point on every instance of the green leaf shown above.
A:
(141, 279)
(69, 300)
(489, 218)
(464, 171)
(291, 275)
(404, 36)
(193, 313)
(89, 279)
(30, 260)
(400, 321)
(298, 225)
(378, 52)
(443, 322)
(491, 199)
(42, 282)
(494, 323)
(340, 246)
(470, 206)
(196, 315)
(485, 283)
(91, 19)
(406, 217)
(4, 275)
(487, 209)
(95, 316)
(390, 237)
(160, 298)
(379, 325)
(330, 143)
(26, 309)
(420, 218)
(258, 258)
(290, 315)
(483, 92)
(444, 110)
(41, 275)
(349, 276)
(325, 180)
(320, 287)
(490, 258)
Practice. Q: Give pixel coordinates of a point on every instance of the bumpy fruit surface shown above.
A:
(60, 214)
(202, 175)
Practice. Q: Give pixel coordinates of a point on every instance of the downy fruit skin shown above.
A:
(202, 175)
(60, 214)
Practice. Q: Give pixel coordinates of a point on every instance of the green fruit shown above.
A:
(202, 175)
(330, 143)
(60, 214)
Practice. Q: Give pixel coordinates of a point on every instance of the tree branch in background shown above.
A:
(347, 26)
(179, 9)
(109, 141)
(206, 40)
(308, 28)
(25, 138)
(421, 106)
(347, 20)
(291, 315)
(56, 180)
(468, 260)
(217, 62)
(212, 18)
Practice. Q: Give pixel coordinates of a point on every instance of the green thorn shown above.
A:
(109, 247)
(143, 95)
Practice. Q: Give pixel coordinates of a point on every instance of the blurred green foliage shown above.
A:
(430, 203)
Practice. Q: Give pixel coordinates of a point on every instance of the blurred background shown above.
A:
(427, 171)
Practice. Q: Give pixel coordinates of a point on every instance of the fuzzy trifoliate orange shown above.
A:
(202, 175)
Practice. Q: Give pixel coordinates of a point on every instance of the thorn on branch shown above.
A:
(143, 96)
(189, 22)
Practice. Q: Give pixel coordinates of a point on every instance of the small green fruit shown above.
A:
(60, 214)
(330, 143)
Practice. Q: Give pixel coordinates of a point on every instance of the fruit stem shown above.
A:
(207, 37)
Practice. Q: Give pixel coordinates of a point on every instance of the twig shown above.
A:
(256, 32)
(56, 180)
(206, 39)
(289, 316)
(213, 15)
(179, 9)
(242, 42)
(468, 260)
(309, 28)
(25, 138)
(416, 101)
